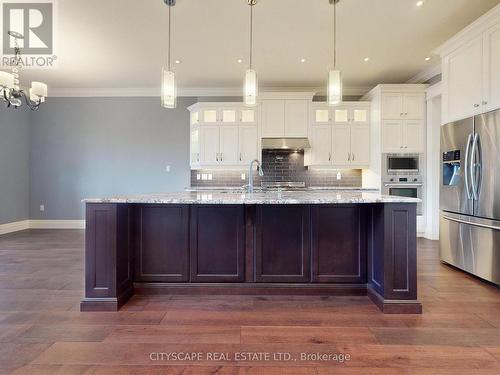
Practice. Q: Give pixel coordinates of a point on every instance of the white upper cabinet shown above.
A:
(228, 154)
(340, 135)
(462, 71)
(341, 142)
(409, 106)
(414, 106)
(413, 136)
(223, 134)
(491, 69)
(471, 69)
(195, 146)
(360, 145)
(392, 106)
(285, 118)
(296, 116)
(392, 136)
(209, 145)
(321, 144)
(403, 136)
(273, 118)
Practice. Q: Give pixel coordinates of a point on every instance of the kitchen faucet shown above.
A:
(250, 174)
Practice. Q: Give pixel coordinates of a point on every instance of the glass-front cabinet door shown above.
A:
(209, 116)
(360, 116)
(321, 116)
(341, 115)
(228, 116)
(248, 116)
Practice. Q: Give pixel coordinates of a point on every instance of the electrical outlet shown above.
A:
(339, 176)
(42, 208)
(243, 176)
(167, 168)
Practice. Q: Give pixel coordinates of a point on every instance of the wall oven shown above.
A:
(402, 177)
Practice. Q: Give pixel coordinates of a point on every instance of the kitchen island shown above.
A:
(232, 242)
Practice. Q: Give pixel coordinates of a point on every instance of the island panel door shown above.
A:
(282, 244)
(217, 243)
(338, 244)
(162, 243)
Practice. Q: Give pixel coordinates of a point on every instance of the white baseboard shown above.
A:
(57, 224)
(14, 227)
(41, 224)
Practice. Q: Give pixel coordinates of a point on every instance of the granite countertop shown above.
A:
(269, 197)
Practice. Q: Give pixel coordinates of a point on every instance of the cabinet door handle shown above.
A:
(241, 159)
(353, 156)
(349, 156)
(198, 157)
(476, 105)
(221, 158)
(401, 114)
(485, 102)
(329, 156)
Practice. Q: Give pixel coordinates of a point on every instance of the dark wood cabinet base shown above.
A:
(394, 306)
(251, 289)
(315, 249)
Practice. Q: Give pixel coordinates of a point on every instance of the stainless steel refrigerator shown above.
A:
(470, 195)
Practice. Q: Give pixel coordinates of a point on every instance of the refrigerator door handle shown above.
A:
(467, 153)
(473, 166)
(494, 227)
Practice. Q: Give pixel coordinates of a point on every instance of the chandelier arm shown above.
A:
(33, 107)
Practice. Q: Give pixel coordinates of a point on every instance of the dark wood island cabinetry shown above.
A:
(192, 247)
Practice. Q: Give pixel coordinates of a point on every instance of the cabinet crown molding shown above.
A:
(472, 31)
(299, 95)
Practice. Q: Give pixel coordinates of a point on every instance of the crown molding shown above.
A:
(470, 32)
(191, 92)
(425, 74)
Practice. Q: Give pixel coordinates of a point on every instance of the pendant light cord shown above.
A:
(334, 35)
(169, 37)
(251, 32)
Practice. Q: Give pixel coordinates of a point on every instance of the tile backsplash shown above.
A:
(278, 165)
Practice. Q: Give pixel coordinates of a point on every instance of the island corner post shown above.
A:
(260, 249)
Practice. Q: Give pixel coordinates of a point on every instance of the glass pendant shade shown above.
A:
(251, 88)
(7, 80)
(334, 87)
(168, 89)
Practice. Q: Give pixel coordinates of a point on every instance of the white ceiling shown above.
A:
(122, 43)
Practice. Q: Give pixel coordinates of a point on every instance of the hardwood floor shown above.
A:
(42, 331)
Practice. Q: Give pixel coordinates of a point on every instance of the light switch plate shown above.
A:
(42, 207)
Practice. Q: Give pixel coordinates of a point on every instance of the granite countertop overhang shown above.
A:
(269, 197)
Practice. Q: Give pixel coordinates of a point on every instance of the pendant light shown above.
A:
(168, 84)
(334, 75)
(250, 90)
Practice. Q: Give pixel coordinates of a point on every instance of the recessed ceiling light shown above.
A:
(239, 61)
(302, 60)
(177, 61)
(427, 58)
(420, 3)
(366, 59)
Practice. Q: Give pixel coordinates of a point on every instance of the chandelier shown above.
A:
(10, 91)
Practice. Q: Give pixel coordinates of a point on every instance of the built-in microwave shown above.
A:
(402, 164)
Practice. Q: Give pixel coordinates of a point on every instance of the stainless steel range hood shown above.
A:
(285, 143)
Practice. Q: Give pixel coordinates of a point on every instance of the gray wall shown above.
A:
(91, 147)
(14, 164)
